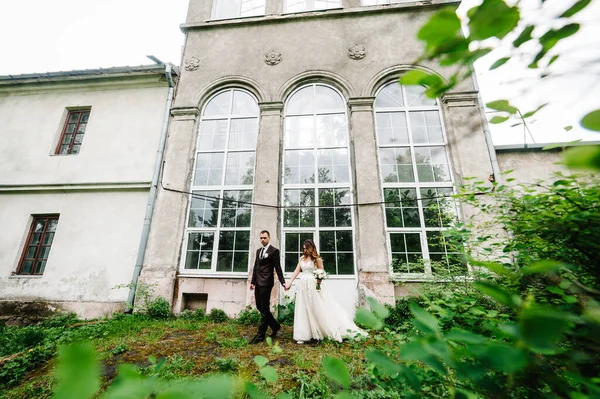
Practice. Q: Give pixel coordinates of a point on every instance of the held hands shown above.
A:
(287, 286)
(251, 287)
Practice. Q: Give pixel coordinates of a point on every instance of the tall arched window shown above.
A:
(316, 171)
(218, 231)
(417, 181)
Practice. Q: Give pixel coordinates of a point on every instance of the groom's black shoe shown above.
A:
(274, 333)
(257, 339)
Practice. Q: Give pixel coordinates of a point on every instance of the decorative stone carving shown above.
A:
(272, 57)
(357, 51)
(192, 63)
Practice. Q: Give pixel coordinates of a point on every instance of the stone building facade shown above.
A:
(289, 117)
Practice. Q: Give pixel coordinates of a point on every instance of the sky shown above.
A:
(62, 35)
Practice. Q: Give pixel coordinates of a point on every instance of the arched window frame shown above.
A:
(339, 260)
(404, 228)
(230, 229)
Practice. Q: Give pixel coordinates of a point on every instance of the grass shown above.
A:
(193, 349)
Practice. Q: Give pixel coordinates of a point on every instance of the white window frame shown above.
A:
(309, 5)
(316, 229)
(238, 14)
(416, 185)
(212, 272)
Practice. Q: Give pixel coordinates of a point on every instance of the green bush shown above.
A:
(60, 320)
(249, 317)
(193, 315)
(286, 313)
(159, 308)
(226, 365)
(217, 315)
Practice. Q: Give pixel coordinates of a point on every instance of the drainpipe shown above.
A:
(486, 132)
(152, 195)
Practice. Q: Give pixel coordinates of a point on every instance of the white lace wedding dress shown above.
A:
(317, 315)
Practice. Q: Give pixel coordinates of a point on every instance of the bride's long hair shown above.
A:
(311, 250)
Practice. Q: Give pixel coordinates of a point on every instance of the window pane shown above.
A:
(236, 208)
(199, 253)
(396, 164)
(74, 117)
(27, 267)
(203, 210)
(209, 169)
(302, 102)
(44, 252)
(225, 261)
(426, 127)
(328, 100)
(81, 128)
(212, 135)
(391, 128)
(31, 251)
(85, 116)
(78, 138)
(406, 253)
(345, 263)
(333, 166)
(299, 217)
(390, 97)
(432, 164)
(39, 267)
(415, 96)
(67, 139)
(243, 134)
(243, 103)
(331, 130)
(299, 132)
(293, 243)
(299, 167)
(439, 208)
(75, 149)
(219, 105)
(329, 262)
(240, 168)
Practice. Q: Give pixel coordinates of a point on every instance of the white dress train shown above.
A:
(317, 315)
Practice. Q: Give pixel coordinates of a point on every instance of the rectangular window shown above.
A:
(73, 131)
(37, 248)
(224, 9)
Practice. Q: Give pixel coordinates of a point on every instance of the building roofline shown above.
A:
(84, 74)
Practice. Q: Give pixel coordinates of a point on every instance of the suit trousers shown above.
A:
(262, 295)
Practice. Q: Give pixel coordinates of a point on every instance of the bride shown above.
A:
(317, 315)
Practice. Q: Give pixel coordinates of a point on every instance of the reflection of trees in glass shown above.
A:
(203, 210)
(446, 254)
(402, 170)
(299, 217)
(248, 177)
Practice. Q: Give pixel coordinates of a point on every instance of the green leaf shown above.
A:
(583, 157)
(386, 366)
(502, 105)
(78, 372)
(283, 396)
(215, 387)
(499, 63)
(424, 317)
(493, 18)
(554, 58)
(500, 294)
(591, 121)
(412, 379)
(442, 27)
(459, 335)
(380, 310)
(525, 36)
(545, 266)
(269, 373)
(568, 128)
(252, 390)
(261, 361)
(503, 357)
(543, 326)
(531, 113)
(336, 370)
(368, 319)
(499, 119)
(575, 8)
(560, 145)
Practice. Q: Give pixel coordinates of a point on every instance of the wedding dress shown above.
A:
(317, 315)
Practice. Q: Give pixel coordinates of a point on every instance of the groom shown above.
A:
(267, 260)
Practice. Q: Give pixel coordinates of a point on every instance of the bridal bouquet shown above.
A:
(320, 275)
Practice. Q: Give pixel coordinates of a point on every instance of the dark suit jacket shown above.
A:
(262, 274)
